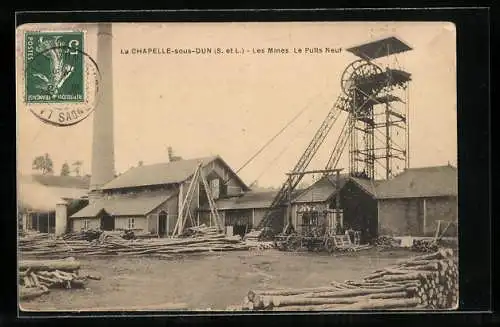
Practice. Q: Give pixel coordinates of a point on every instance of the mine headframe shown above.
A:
(365, 86)
(378, 109)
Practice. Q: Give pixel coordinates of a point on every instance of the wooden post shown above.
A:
(337, 199)
(289, 213)
(253, 217)
(387, 143)
(425, 217)
(168, 224)
(181, 196)
(198, 203)
(158, 225)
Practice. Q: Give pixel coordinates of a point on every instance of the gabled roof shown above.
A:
(322, 190)
(164, 173)
(136, 205)
(421, 182)
(368, 185)
(248, 200)
(257, 199)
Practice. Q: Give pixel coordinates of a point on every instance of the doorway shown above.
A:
(162, 224)
(240, 228)
(107, 222)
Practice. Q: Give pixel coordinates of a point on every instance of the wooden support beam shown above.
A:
(315, 171)
(425, 217)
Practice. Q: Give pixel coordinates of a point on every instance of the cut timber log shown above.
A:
(279, 301)
(31, 293)
(296, 291)
(383, 305)
(69, 264)
(429, 281)
(34, 278)
(355, 292)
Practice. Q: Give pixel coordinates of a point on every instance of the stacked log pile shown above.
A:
(355, 248)
(425, 245)
(260, 245)
(37, 277)
(435, 274)
(114, 244)
(88, 235)
(253, 235)
(201, 230)
(387, 242)
(425, 282)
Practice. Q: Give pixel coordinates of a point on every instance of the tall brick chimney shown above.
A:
(103, 158)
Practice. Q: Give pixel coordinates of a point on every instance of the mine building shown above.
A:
(353, 197)
(45, 200)
(147, 198)
(418, 202)
(242, 212)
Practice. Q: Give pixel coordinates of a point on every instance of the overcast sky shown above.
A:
(232, 104)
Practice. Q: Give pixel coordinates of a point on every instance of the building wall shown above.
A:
(78, 223)
(204, 217)
(400, 217)
(444, 209)
(140, 223)
(232, 185)
(258, 215)
(41, 221)
(254, 216)
(238, 217)
(170, 207)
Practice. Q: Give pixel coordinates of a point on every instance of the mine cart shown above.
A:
(319, 230)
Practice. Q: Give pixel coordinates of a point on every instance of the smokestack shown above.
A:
(103, 158)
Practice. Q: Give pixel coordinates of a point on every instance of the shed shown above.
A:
(413, 202)
(38, 196)
(357, 202)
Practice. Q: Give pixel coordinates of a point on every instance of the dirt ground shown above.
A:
(210, 281)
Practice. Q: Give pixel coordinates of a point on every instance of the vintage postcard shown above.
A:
(298, 166)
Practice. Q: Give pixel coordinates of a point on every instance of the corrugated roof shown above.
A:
(421, 182)
(322, 190)
(137, 205)
(162, 173)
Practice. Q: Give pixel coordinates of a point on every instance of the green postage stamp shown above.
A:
(54, 70)
(60, 79)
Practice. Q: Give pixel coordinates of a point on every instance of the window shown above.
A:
(214, 186)
(131, 223)
(86, 224)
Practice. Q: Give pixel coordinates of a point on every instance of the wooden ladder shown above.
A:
(184, 210)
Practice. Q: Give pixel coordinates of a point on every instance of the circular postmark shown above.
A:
(62, 83)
